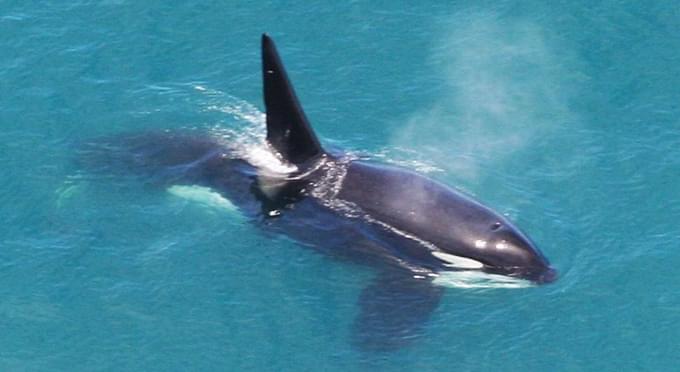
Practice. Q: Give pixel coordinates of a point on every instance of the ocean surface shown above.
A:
(562, 115)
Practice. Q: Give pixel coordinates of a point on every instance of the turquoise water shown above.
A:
(564, 116)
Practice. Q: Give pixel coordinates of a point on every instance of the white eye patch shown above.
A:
(457, 261)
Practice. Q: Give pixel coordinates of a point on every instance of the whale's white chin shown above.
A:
(477, 279)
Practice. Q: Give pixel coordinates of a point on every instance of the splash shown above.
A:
(247, 139)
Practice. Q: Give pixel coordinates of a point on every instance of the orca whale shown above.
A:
(410, 229)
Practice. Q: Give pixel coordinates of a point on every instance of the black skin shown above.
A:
(395, 197)
(387, 218)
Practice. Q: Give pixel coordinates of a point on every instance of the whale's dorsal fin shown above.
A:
(288, 130)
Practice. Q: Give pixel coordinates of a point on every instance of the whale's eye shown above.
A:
(495, 226)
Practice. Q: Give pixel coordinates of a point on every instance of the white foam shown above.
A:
(248, 141)
(261, 157)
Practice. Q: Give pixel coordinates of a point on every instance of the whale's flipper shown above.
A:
(288, 130)
(393, 310)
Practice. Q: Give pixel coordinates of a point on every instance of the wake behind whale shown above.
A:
(417, 234)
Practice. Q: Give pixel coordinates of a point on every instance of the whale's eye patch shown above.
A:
(495, 226)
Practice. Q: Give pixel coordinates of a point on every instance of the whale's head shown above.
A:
(491, 243)
(460, 233)
(506, 250)
(468, 235)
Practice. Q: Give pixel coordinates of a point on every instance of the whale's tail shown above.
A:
(288, 130)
